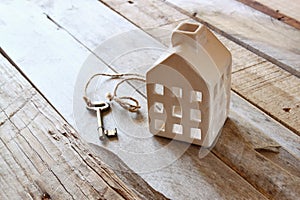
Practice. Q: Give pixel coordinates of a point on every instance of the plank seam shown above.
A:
(297, 132)
(272, 13)
(7, 57)
(239, 174)
(236, 40)
(15, 160)
(115, 189)
(250, 66)
(46, 165)
(233, 39)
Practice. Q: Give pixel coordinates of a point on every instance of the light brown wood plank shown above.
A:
(267, 37)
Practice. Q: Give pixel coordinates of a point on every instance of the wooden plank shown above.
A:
(272, 9)
(215, 176)
(271, 39)
(41, 154)
(273, 90)
(291, 8)
(251, 139)
(242, 58)
(288, 12)
(205, 179)
(254, 116)
(31, 54)
(251, 164)
(245, 64)
(49, 42)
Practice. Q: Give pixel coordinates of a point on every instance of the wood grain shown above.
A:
(272, 90)
(42, 155)
(249, 141)
(210, 173)
(254, 78)
(265, 36)
(291, 8)
(286, 12)
(160, 179)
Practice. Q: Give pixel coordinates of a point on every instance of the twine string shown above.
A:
(127, 102)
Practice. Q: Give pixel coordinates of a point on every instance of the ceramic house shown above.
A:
(188, 89)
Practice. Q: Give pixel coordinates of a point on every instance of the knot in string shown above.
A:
(127, 102)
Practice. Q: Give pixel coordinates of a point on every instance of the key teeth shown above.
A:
(111, 133)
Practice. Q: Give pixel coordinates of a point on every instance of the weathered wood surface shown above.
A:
(40, 154)
(267, 37)
(64, 54)
(255, 79)
(278, 9)
(159, 179)
(211, 170)
(290, 8)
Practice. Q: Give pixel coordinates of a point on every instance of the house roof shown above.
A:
(205, 54)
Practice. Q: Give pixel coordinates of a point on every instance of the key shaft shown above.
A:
(100, 107)
(100, 126)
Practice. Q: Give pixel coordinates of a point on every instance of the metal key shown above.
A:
(100, 107)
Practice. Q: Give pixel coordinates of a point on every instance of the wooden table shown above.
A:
(48, 142)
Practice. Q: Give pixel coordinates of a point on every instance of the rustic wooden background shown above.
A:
(48, 143)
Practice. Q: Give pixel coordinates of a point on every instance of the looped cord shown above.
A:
(123, 101)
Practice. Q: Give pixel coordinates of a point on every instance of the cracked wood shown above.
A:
(191, 156)
(41, 154)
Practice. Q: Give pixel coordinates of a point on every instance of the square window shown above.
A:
(159, 125)
(158, 107)
(159, 89)
(177, 92)
(176, 111)
(196, 133)
(177, 128)
(196, 96)
(195, 115)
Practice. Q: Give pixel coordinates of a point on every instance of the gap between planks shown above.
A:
(246, 65)
(43, 154)
(211, 159)
(254, 32)
(277, 10)
(36, 125)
